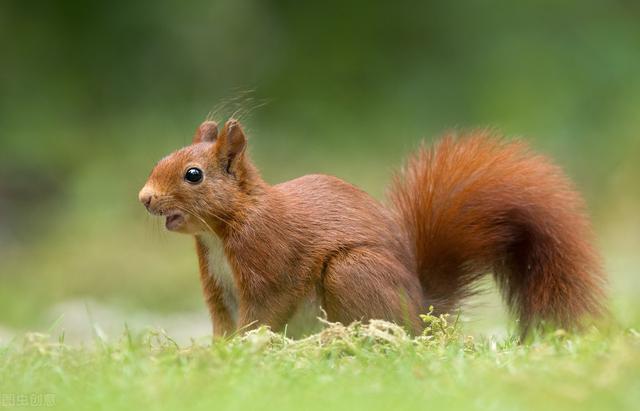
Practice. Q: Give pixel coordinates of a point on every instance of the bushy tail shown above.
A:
(476, 204)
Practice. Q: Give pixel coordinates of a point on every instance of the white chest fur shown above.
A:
(220, 271)
(304, 319)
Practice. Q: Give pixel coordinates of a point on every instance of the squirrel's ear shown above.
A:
(231, 144)
(206, 132)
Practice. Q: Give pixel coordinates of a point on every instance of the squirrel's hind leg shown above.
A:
(363, 284)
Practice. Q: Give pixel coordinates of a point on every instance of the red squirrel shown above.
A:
(467, 206)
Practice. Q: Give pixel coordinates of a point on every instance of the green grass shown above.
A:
(372, 367)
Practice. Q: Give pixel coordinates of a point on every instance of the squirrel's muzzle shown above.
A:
(145, 196)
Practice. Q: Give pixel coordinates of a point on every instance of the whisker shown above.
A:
(230, 223)
(191, 212)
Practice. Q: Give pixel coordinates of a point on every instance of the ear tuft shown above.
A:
(231, 143)
(207, 132)
(234, 136)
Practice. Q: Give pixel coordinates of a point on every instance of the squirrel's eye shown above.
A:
(193, 175)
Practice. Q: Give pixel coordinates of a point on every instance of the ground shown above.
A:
(368, 367)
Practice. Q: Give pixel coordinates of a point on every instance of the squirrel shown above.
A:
(470, 205)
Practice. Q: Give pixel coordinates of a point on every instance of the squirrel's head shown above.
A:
(201, 187)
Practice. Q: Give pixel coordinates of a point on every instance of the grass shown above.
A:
(370, 367)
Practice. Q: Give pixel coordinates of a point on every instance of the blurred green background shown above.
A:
(93, 93)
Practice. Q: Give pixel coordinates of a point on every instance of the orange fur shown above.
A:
(463, 208)
(479, 204)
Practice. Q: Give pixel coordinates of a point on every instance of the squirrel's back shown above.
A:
(334, 213)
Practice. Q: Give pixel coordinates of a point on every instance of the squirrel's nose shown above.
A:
(145, 195)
